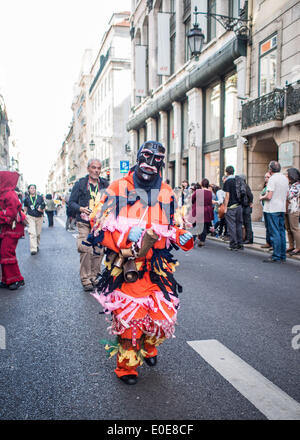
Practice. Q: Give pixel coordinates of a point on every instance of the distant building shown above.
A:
(4, 137)
(109, 94)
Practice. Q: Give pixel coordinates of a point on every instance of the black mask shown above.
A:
(150, 160)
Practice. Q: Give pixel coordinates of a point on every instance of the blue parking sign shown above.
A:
(124, 166)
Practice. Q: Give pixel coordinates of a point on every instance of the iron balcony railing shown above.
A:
(269, 107)
(274, 106)
(293, 98)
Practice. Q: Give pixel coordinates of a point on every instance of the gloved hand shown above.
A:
(185, 238)
(135, 233)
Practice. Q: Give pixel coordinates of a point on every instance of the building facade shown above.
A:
(4, 137)
(198, 108)
(109, 95)
(271, 117)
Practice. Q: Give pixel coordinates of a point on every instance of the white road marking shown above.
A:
(274, 403)
(60, 221)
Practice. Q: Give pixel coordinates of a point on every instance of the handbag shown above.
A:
(221, 211)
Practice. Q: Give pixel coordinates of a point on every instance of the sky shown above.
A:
(42, 44)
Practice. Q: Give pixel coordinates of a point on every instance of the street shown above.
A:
(54, 367)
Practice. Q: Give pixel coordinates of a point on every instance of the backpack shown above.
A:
(241, 191)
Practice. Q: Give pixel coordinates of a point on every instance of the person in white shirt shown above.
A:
(275, 208)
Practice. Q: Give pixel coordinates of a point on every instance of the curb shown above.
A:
(254, 247)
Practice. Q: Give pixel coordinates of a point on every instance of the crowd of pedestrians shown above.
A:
(224, 212)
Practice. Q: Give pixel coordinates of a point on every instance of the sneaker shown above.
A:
(240, 247)
(16, 285)
(88, 288)
(270, 260)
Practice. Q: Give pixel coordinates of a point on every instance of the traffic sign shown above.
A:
(124, 166)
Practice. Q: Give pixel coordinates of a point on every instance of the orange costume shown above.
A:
(143, 312)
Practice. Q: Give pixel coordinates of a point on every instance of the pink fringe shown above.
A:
(130, 306)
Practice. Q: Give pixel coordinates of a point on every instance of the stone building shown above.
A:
(271, 117)
(81, 123)
(109, 95)
(4, 137)
(198, 107)
(194, 110)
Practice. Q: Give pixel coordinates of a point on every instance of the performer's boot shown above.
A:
(151, 357)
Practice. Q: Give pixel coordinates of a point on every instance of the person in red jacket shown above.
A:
(11, 229)
(135, 223)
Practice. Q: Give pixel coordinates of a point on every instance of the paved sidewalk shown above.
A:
(259, 239)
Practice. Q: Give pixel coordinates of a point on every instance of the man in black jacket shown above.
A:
(87, 192)
(34, 206)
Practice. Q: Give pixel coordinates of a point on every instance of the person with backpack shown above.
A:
(247, 203)
(235, 190)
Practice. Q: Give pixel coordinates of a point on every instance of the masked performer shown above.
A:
(135, 222)
(11, 229)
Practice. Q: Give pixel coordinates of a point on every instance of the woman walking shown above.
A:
(292, 216)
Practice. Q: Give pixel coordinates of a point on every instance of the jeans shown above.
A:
(50, 215)
(277, 234)
(268, 239)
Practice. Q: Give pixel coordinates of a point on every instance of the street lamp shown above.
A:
(238, 25)
(195, 38)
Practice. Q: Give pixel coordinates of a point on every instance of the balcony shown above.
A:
(266, 108)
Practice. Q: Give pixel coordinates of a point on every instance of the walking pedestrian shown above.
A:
(292, 216)
(71, 220)
(275, 208)
(11, 229)
(247, 204)
(233, 210)
(34, 206)
(50, 208)
(85, 194)
(205, 198)
(268, 244)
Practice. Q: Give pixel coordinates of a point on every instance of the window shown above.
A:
(185, 121)
(172, 53)
(172, 36)
(187, 28)
(212, 167)
(171, 134)
(211, 21)
(212, 117)
(267, 65)
(234, 8)
(231, 109)
(230, 157)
